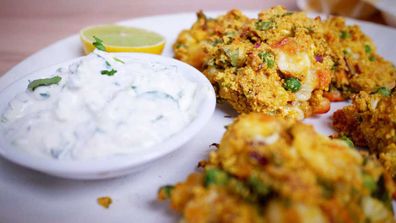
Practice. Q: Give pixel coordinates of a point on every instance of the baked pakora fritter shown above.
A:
(284, 63)
(357, 65)
(190, 44)
(272, 170)
(371, 122)
(276, 64)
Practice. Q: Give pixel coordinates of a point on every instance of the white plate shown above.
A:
(117, 165)
(28, 196)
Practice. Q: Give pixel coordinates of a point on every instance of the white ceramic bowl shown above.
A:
(116, 165)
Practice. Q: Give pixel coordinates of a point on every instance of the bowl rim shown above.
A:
(83, 169)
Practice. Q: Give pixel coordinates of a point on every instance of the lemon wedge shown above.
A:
(117, 38)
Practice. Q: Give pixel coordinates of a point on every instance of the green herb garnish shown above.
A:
(344, 34)
(108, 72)
(234, 56)
(216, 42)
(267, 58)
(348, 141)
(287, 14)
(367, 49)
(384, 91)
(369, 182)
(215, 176)
(43, 82)
(258, 186)
(372, 58)
(292, 84)
(167, 190)
(98, 43)
(264, 25)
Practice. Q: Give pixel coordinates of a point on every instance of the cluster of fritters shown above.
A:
(283, 63)
(277, 69)
(268, 169)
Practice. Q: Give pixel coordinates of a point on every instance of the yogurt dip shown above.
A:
(101, 106)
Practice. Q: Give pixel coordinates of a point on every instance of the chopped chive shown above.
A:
(98, 43)
(43, 82)
(108, 64)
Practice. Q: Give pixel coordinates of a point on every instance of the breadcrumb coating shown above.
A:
(357, 65)
(283, 63)
(371, 122)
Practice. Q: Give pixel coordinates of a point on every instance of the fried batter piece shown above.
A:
(357, 66)
(371, 122)
(282, 62)
(271, 170)
(190, 44)
(276, 64)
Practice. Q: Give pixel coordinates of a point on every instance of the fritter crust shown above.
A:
(190, 44)
(272, 170)
(249, 61)
(358, 67)
(371, 122)
(251, 69)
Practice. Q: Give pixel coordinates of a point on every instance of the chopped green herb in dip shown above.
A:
(43, 82)
(108, 72)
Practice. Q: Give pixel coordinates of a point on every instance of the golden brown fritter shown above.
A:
(250, 61)
(190, 43)
(272, 170)
(371, 122)
(357, 66)
(276, 64)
